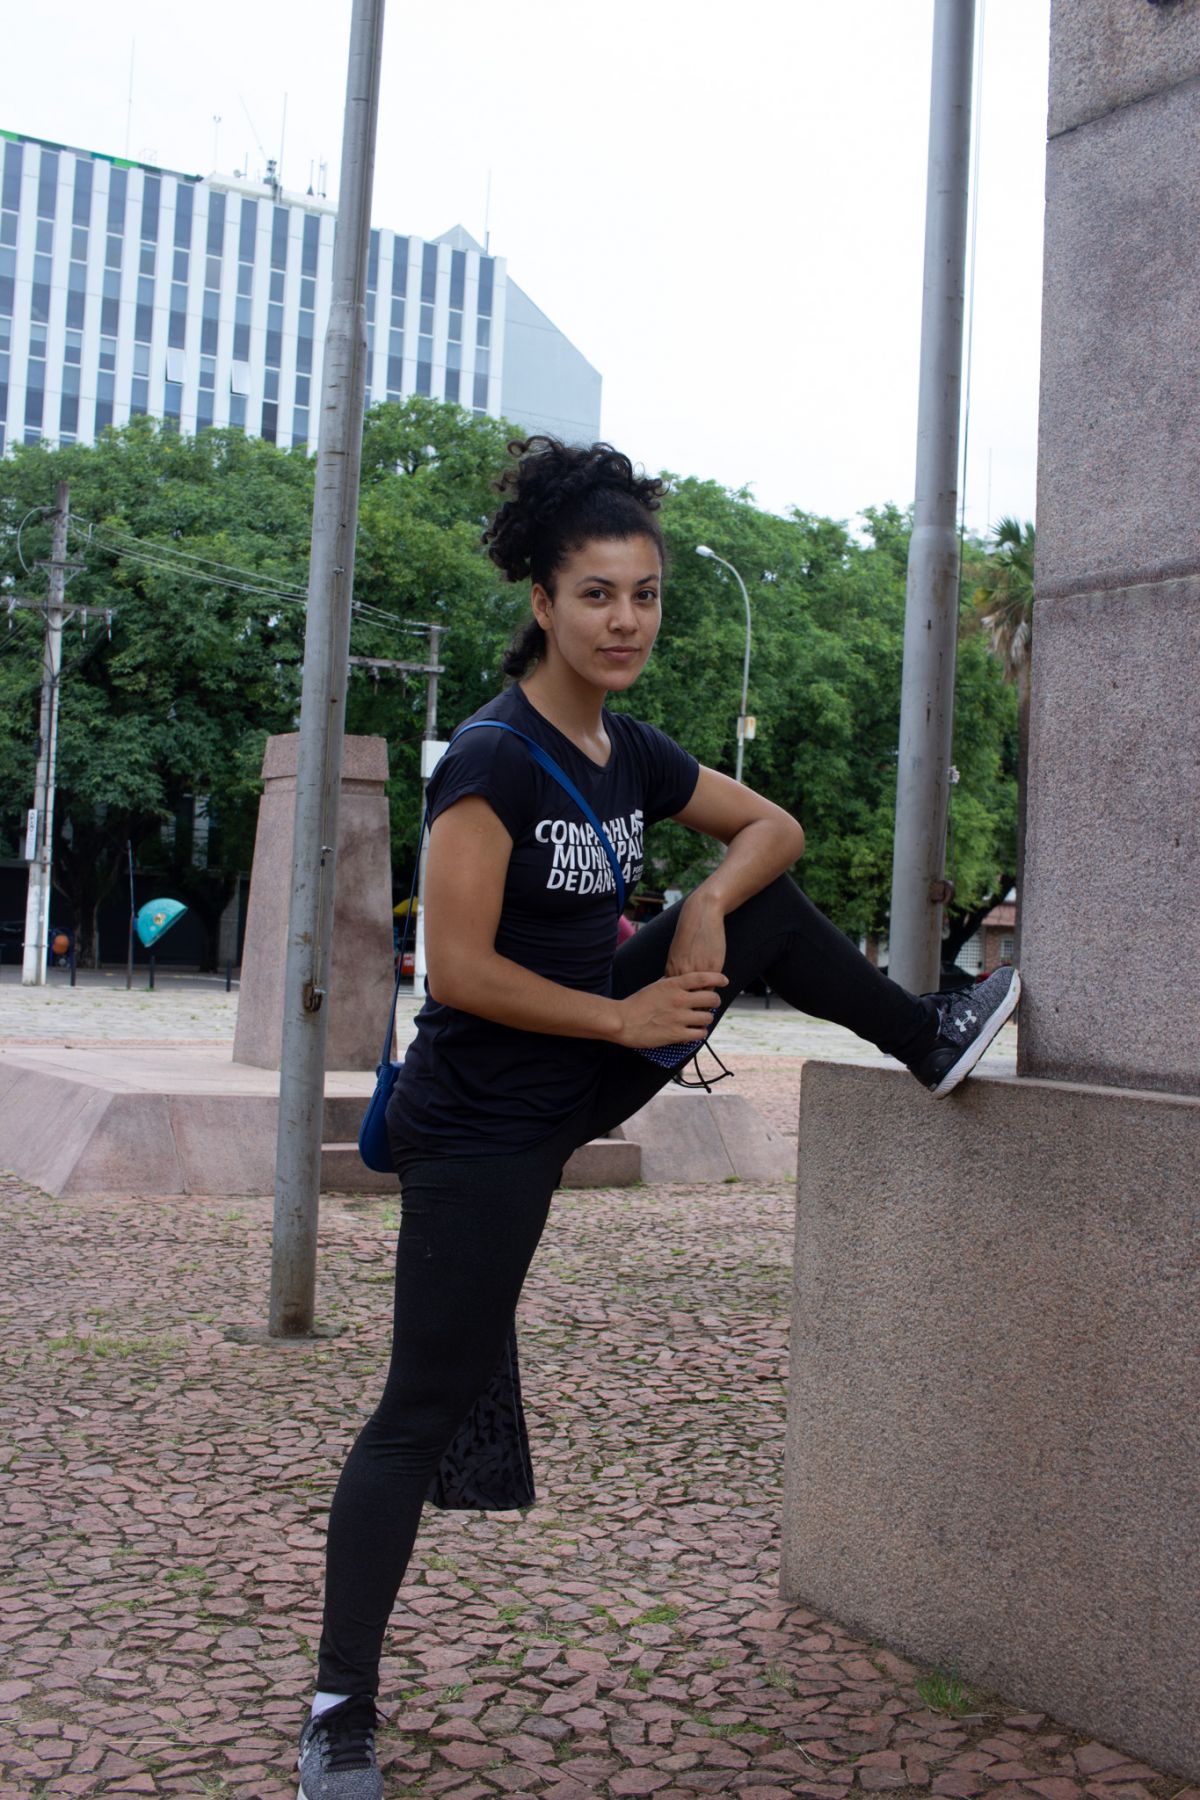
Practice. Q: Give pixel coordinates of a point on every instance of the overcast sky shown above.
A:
(722, 206)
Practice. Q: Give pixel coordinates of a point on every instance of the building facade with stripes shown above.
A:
(127, 288)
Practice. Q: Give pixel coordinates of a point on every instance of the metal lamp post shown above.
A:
(703, 550)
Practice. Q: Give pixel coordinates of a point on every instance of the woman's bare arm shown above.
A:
(762, 842)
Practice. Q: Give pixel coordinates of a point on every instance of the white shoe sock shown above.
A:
(323, 1702)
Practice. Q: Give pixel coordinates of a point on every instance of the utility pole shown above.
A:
(37, 905)
(919, 887)
(323, 703)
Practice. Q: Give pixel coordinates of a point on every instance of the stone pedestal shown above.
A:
(362, 969)
(993, 1461)
(993, 1458)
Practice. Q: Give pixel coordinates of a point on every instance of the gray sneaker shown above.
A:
(337, 1753)
(967, 1023)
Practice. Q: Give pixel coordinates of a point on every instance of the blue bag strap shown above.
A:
(547, 762)
(390, 1039)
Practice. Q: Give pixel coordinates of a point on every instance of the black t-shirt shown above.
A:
(467, 1083)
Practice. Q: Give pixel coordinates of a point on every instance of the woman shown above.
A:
(533, 1037)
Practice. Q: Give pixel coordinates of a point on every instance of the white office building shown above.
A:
(129, 289)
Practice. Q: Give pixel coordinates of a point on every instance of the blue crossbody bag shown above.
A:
(373, 1144)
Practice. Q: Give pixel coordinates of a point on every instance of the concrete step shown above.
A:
(342, 1117)
(604, 1162)
(343, 1171)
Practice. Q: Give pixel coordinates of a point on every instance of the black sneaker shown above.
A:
(337, 1753)
(967, 1023)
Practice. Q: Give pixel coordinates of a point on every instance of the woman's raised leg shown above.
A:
(779, 936)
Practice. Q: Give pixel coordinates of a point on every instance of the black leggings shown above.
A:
(469, 1229)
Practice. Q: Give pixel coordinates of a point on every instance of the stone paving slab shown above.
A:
(166, 1492)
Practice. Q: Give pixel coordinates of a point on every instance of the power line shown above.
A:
(172, 550)
(159, 556)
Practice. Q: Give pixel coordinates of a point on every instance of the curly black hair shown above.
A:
(560, 497)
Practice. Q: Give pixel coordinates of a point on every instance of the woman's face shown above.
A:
(605, 612)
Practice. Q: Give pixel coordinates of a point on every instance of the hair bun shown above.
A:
(557, 494)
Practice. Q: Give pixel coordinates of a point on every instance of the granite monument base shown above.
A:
(993, 1454)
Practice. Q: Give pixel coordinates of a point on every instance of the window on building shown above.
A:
(76, 295)
(279, 237)
(1007, 948)
(118, 189)
(487, 271)
(47, 190)
(239, 378)
(429, 262)
(39, 306)
(105, 385)
(970, 956)
(210, 322)
(69, 404)
(110, 302)
(151, 197)
(310, 246)
(185, 201)
(10, 182)
(174, 365)
(214, 239)
(81, 206)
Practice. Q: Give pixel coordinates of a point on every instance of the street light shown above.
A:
(703, 550)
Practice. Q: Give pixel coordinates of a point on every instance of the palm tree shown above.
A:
(1003, 604)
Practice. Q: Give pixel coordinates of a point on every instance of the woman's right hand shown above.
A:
(676, 1010)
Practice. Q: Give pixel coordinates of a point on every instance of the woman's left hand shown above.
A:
(699, 941)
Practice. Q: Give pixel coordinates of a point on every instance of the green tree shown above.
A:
(173, 709)
(1003, 607)
(179, 679)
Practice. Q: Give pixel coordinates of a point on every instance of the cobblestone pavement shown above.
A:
(166, 1491)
